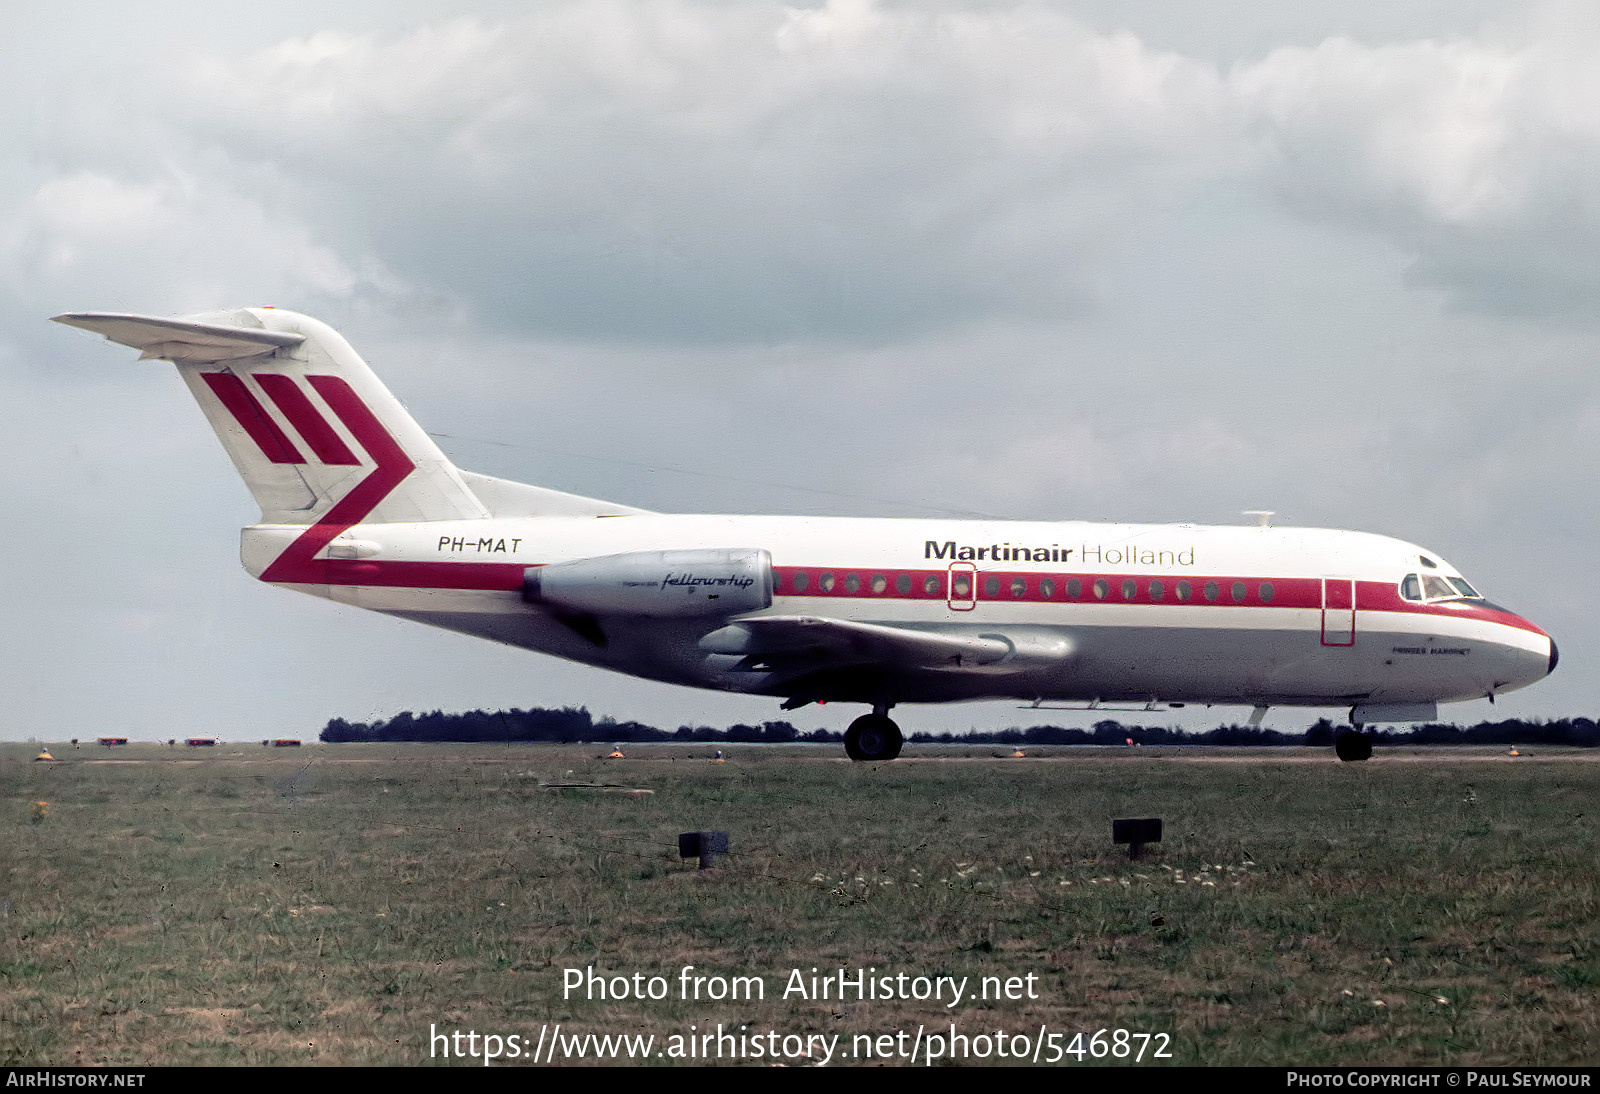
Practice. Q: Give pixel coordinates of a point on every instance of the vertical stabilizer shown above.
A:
(313, 432)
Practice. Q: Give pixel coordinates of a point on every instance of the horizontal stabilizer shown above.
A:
(182, 339)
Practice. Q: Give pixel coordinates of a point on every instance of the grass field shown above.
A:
(333, 903)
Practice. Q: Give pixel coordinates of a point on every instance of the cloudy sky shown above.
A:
(1149, 261)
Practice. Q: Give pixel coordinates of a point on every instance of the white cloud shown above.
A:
(1479, 156)
(759, 172)
(690, 169)
(177, 240)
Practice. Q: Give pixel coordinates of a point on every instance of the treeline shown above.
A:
(575, 724)
(565, 725)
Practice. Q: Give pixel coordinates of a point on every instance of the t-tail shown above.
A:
(316, 436)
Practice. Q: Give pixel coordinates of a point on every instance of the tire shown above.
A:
(873, 738)
(1353, 747)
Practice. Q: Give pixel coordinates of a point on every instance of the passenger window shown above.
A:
(1101, 589)
(1211, 590)
(1185, 590)
(1130, 589)
(961, 587)
(1267, 592)
(1074, 589)
(991, 586)
(1047, 588)
(852, 583)
(879, 583)
(801, 581)
(1019, 587)
(1238, 592)
(902, 584)
(1411, 588)
(1157, 590)
(825, 582)
(931, 587)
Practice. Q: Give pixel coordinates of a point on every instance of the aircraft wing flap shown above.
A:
(180, 339)
(791, 637)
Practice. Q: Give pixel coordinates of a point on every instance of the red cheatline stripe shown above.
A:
(251, 415)
(1011, 586)
(507, 576)
(312, 426)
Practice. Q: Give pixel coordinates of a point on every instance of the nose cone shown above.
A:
(1526, 654)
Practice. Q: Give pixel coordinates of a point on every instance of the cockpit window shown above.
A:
(1438, 588)
(1432, 587)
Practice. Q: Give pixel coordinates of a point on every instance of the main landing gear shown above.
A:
(1353, 745)
(873, 737)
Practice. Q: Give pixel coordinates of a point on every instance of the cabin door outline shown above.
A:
(1339, 611)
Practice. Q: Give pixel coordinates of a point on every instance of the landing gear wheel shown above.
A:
(1351, 747)
(873, 738)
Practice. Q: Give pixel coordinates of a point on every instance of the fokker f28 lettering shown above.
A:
(360, 506)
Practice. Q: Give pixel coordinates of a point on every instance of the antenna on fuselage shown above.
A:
(1263, 516)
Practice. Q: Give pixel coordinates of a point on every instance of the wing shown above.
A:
(793, 644)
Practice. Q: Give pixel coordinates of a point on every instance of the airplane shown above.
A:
(359, 505)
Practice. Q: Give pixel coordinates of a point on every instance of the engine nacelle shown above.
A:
(664, 584)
